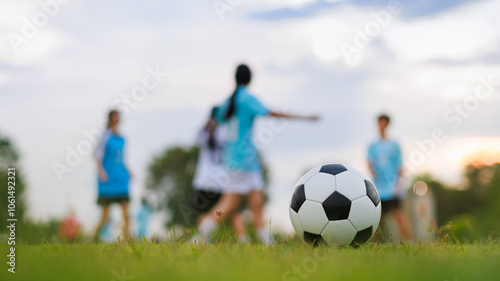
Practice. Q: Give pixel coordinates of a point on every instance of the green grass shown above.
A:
(289, 261)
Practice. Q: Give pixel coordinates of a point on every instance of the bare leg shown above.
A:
(403, 223)
(225, 207)
(256, 204)
(220, 212)
(126, 220)
(240, 227)
(104, 219)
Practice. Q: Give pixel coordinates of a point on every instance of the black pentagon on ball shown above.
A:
(333, 169)
(298, 198)
(312, 238)
(362, 236)
(337, 206)
(371, 192)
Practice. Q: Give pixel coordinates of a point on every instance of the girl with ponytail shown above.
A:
(241, 161)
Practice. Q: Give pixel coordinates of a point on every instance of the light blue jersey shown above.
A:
(110, 152)
(240, 153)
(143, 220)
(385, 158)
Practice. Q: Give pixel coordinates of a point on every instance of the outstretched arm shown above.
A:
(292, 116)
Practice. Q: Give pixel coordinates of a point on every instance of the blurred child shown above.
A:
(245, 180)
(385, 163)
(70, 228)
(211, 176)
(114, 176)
(143, 217)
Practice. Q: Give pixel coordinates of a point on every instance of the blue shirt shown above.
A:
(110, 152)
(143, 219)
(386, 160)
(240, 152)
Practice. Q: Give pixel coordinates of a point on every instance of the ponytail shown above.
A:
(211, 139)
(232, 105)
(211, 142)
(243, 77)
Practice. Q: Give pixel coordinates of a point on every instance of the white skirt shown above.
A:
(243, 182)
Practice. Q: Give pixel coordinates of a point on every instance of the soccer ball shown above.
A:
(335, 204)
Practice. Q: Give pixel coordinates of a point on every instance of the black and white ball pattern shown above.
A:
(336, 204)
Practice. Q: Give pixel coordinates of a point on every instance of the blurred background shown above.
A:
(433, 66)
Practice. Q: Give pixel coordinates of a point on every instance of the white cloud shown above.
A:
(24, 42)
(458, 34)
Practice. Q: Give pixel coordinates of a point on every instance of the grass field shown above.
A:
(287, 261)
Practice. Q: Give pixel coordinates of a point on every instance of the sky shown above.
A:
(431, 65)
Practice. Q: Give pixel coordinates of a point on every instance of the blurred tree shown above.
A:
(169, 180)
(474, 207)
(450, 200)
(484, 181)
(9, 159)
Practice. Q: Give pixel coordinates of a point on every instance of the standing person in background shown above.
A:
(211, 177)
(241, 160)
(114, 177)
(143, 216)
(70, 229)
(385, 163)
